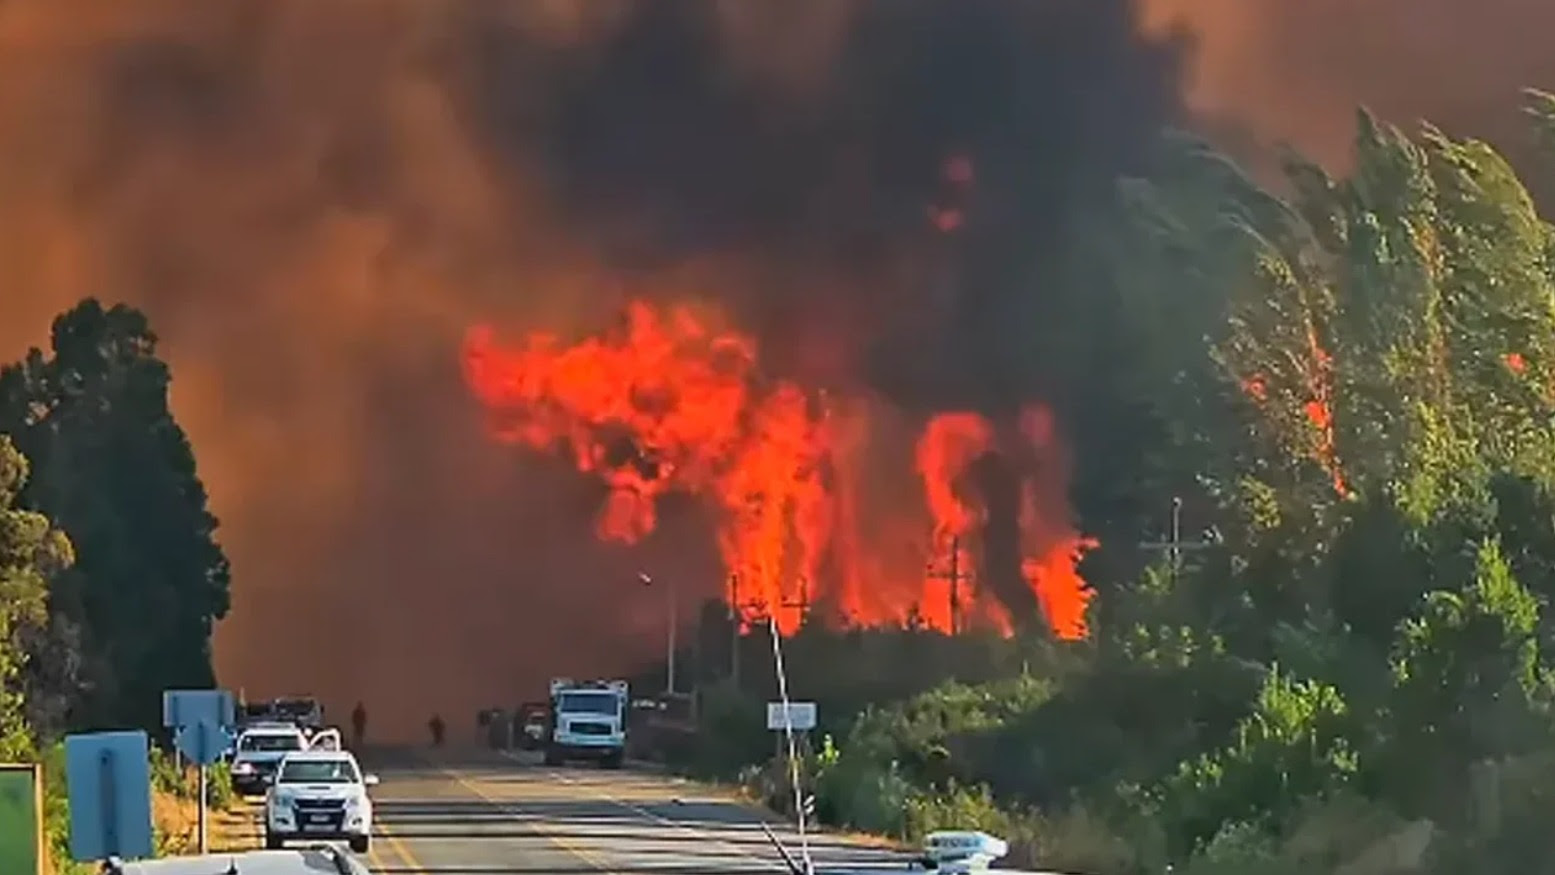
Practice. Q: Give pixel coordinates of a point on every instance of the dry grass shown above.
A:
(177, 821)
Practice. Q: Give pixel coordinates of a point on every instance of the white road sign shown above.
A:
(802, 714)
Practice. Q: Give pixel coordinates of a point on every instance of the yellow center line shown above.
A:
(400, 850)
(582, 853)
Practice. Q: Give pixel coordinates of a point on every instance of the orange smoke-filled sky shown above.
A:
(294, 191)
(1296, 69)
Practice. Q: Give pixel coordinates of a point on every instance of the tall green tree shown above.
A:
(115, 469)
(31, 552)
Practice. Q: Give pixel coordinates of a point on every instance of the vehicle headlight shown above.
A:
(242, 768)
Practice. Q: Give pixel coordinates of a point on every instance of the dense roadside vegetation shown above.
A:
(110, 578)
(1355, 385)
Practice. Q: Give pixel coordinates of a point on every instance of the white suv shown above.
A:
(259, 751)
(319, 794)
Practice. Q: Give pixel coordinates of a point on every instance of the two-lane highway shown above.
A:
(487, 814)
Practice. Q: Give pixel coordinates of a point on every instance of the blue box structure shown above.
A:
(187, 707)
(203, 743)
(108, 777)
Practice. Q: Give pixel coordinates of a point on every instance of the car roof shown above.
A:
(317, 754)
(300, 861)
(272, 729)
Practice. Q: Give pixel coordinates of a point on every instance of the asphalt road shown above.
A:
(485, 814)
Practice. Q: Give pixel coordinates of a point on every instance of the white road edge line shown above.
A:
(664, 821)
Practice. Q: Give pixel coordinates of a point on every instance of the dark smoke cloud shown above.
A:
(660, 146)
(313, 199)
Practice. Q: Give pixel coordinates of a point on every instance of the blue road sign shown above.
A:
(187, 707)
(108, 778)
(203, 742)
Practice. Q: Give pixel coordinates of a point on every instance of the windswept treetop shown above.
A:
(31, 552)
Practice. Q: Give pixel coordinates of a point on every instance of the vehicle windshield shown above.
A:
(589, 703)
(296, 707)
(341, 771)
(270, 741)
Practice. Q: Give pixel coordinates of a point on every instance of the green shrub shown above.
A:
(1075, 840)
(184, 783)
(167, 777)
(218, 788)
(957, 807)
(860, 793)
(1239, 849)
(1291, 748)
(731, 733)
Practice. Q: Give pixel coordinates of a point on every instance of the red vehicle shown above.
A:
(534, 720)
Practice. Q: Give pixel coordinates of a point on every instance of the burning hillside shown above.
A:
(664, 403)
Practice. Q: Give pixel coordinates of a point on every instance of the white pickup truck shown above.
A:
(319, 794)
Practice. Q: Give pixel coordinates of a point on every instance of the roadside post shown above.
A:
(798, 719)
(201, 721)
(108, 779)
(202, 742)
(21, 819)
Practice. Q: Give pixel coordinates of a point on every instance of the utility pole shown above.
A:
(669, 644)
(736, 619)
(802, 604)
(954, 576)
(1174, 545)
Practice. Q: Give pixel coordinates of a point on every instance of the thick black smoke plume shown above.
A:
(657, 147)
(314, 199)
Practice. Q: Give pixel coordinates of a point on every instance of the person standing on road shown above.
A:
(359, 724)
(436, 725)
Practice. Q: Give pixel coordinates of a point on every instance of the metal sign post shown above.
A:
(203, 742)
(200, 720)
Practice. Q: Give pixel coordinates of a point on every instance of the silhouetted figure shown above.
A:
(437, 727)
(358, 724)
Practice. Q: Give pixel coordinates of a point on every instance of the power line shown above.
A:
(953, 575)
(1174, 545)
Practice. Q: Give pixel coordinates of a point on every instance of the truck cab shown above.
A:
(304, 711)
(588, 721)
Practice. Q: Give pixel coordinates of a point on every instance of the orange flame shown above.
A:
(1320, 408)
(664, 404)
(949, 445)
(1317, 378)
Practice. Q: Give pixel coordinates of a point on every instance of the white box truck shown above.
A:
(588, 722)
